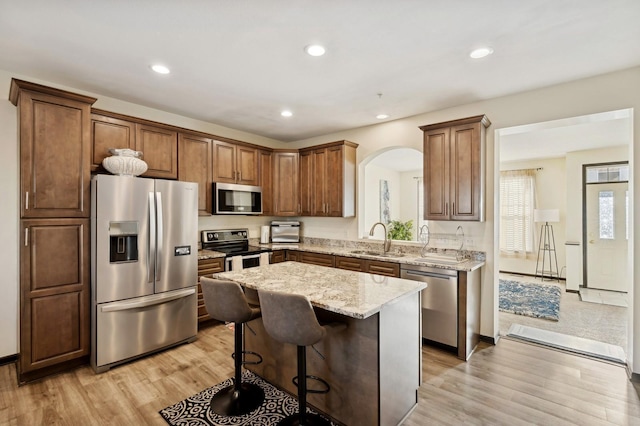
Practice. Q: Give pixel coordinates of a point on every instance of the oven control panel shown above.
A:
(225, 235)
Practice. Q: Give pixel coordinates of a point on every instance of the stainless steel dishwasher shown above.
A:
(439, 302)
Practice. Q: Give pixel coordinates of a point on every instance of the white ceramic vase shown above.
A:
(125, 162)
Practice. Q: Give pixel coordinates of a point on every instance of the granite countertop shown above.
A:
(395, 257)
(354, 294)
(209, 254)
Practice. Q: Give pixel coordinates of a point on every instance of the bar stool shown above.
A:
(289, 318)
(225, 301)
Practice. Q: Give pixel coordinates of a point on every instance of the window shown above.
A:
(517, 201)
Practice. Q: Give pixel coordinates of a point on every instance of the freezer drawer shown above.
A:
(134, 327)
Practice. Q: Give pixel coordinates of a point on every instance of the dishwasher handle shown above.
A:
(408, 273)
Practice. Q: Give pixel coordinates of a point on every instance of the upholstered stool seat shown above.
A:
(289, 318)
(225, 301)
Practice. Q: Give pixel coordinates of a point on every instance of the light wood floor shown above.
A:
(511, 383)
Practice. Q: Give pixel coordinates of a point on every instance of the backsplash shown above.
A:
(406, 248)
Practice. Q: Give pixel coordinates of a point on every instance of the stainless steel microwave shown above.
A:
(231, 198)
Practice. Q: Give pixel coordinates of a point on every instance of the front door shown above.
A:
(606, 236)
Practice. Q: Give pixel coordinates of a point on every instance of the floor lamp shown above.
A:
(547, 244)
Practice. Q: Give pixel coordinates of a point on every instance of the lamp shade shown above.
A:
(549, 215)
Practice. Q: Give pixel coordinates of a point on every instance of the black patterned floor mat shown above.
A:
(194, 411)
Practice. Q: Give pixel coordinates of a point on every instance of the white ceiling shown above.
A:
(556, 138)
(238, 63)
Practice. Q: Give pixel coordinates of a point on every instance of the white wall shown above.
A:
(608, 92)
(9, 220)
(550, 194)
(575, 161)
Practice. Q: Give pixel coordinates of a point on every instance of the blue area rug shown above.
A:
(530, 299)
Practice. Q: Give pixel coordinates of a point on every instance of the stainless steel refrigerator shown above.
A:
(144, 264)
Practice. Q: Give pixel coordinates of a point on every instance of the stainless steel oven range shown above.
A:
(234, 242)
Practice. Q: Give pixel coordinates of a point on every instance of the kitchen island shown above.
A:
(373, 367)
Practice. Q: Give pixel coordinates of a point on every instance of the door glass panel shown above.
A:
(605, 212)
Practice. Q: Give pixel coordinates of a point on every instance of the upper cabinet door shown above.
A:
(266, 182)
(247, 165)
(285, 184)
(321, 184)
(224, 162)
(306, 183)
(436, 174)
(194, 165)
(55, 152)
(107, 133)
(159, 148)
(467, 182)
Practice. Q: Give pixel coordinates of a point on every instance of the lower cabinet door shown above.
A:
(54, 295)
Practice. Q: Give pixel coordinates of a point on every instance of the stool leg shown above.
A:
(302, 417)
(302, 384)
(239, 398)
(238, 347)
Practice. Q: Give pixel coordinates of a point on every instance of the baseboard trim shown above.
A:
(532, 275)
(488, 339)
(8, 359)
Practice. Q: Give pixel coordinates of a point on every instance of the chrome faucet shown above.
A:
(387, 241)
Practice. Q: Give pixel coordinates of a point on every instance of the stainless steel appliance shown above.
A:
(450, 306)
(439, 302)
(144, 264)
(235, 244)
(285, 231)
(231, 198)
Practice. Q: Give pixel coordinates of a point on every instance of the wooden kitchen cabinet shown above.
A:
(306, 183)
(327, 180)
(454, 169)
(278, 256)
(109, 132)
(266, 181)
(194, 165)
(285, 183)
(377, 267)
(207, 267)
(233, 163)
(159, 148)
(54, 296)
(320, 259)
(55, 152)
(55, 161)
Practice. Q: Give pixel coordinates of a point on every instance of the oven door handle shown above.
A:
(251, 256)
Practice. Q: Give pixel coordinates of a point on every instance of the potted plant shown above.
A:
(400, 230)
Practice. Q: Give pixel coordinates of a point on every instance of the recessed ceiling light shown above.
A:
(481, 52)
(315, 50)
(286, 113)
(382, 116)
(160, 69)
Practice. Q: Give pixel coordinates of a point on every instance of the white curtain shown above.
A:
(517, 202)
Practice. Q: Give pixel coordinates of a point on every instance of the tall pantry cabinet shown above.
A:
(55, 157)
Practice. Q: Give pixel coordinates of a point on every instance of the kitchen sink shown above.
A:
(376, 253)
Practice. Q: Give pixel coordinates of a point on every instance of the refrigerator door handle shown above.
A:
(151, 253)
(159, 229)
(150, 301)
